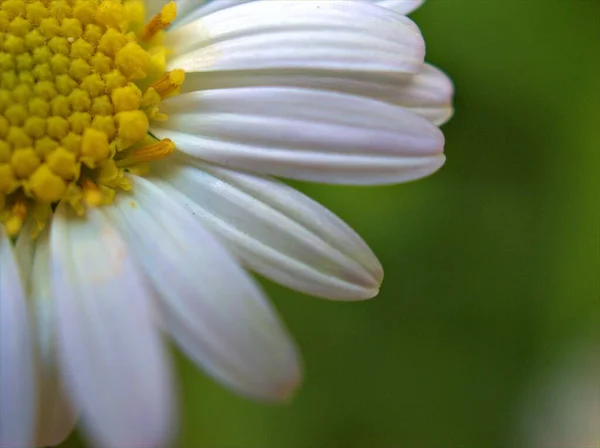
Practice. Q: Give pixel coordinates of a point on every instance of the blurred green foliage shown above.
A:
(492, 264)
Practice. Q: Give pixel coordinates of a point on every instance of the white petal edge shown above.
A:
(401, 6)
(55, 416)
(116, 370)
(277, 231)
(17, 383)
(211, 307)
(299, 35)
(428, 93)
(189, 10)
(303, 134)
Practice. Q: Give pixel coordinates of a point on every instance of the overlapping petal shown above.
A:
(428, 93)
(320, 90)
(55, 416)
(304, 134)
(294, 35)
(277, 231)
(211, 306)
(401, 6)
(112, 359)
(17, 377)
(190, 10)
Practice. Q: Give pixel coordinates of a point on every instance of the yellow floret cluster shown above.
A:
(79, 82)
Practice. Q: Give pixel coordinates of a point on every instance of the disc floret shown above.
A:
(80, 81)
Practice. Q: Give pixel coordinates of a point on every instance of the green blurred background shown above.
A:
(492, 264)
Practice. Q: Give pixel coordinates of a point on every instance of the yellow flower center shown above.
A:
(80, 81)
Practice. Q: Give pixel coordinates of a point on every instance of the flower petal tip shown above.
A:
(289, 381)
(371, 289)
(286, 392)
(371, 294)
(281, 390)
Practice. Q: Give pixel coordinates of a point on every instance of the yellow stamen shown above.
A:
(64, 163)
(91, 193)
(159, 22)
(39, 214)
(45, 185)
(126, 98)
(8, 182)
(151, 153)
(113, 176)
(80, 82)
(169, 83)
(94, 147)
(15, 221)
(133, 126)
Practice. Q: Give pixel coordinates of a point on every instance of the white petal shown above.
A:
(55, 417)
(304, 134)
(279, 232)
(213, 309)
(17, 384)
(428, 93)
(299, 35)
(401, 6)
(189, 10)
(114, 364)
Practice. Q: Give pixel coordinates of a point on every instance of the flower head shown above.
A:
(81, 81)
(136, 143)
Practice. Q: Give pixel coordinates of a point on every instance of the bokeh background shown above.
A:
(486, 329)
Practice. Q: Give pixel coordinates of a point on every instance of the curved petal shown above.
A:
(428, 93)
(304, 134)
(111, 355)
(401, 6)
(17, 383)
(299, 35)
(213, 309)
(188, 10)
(278, 232)
(55, 417)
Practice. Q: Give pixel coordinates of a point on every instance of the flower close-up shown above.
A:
(141, 144)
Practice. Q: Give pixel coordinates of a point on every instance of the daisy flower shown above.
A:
(137, 141)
